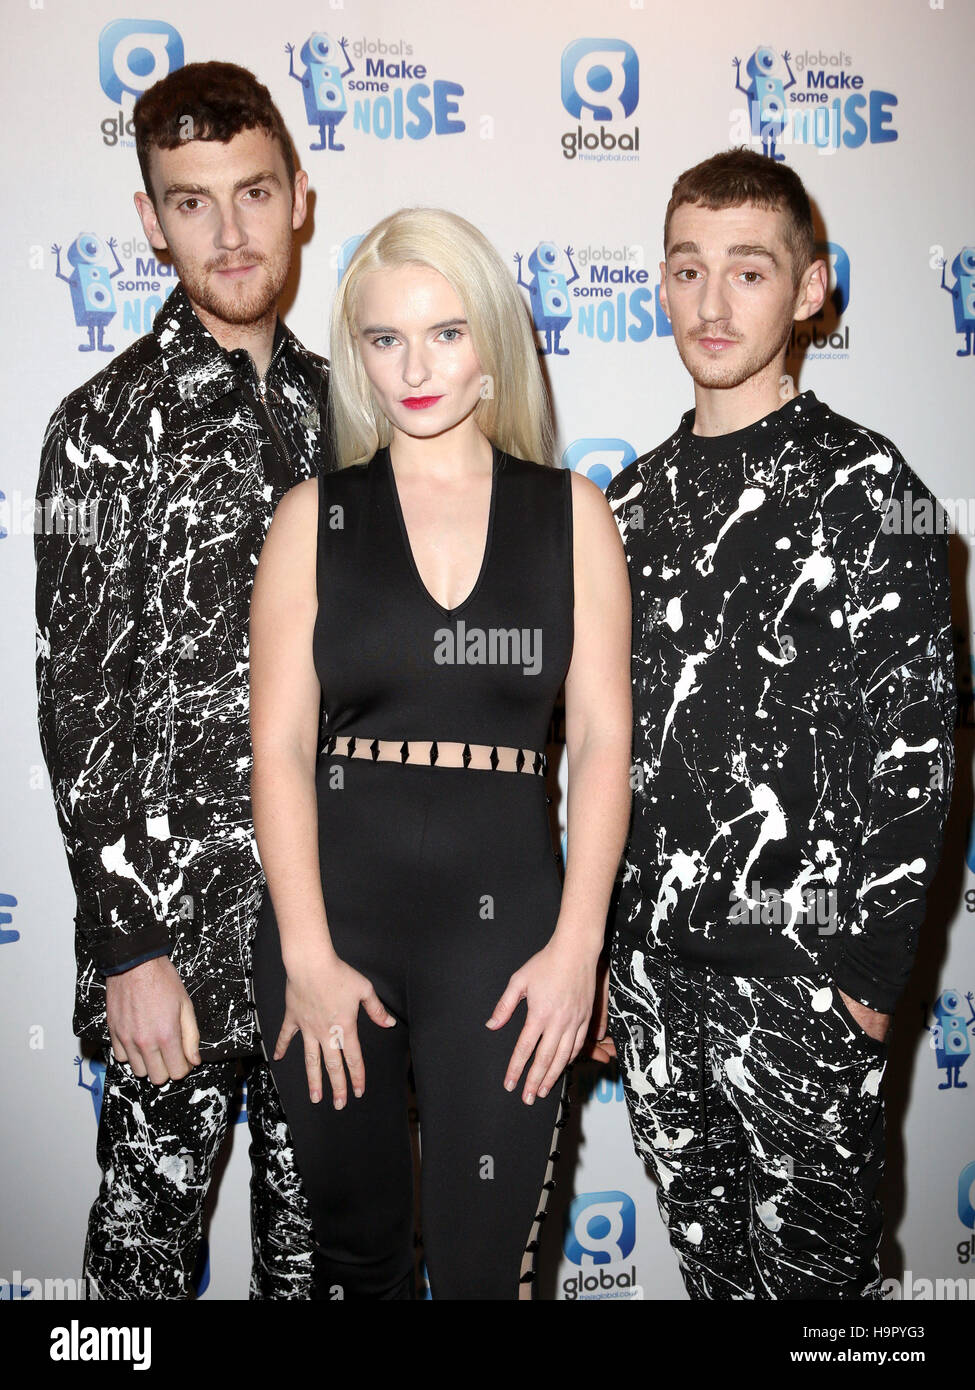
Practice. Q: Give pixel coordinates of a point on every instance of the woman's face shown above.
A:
(415, 344)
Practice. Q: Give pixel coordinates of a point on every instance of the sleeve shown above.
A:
(90, 555)
(892, 558)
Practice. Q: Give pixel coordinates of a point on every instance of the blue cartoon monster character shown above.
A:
(949, 1037)
(548, 290)
(97, 1084)
(322, 83)
(963, 294)
(766, 96)
(90, 282)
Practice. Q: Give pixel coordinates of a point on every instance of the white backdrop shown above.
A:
(483, 120)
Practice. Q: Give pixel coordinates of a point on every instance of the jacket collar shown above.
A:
(202, 370)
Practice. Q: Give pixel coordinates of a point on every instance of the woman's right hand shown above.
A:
(321, 1001)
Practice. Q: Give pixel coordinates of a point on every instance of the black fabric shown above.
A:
(176, 460)
(157, 1147)
(794, 701)
(438, 883)
(757, 1105)
(387, 683)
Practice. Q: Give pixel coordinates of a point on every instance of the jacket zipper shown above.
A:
(260, 396)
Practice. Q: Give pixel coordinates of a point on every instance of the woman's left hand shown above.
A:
(558, 983)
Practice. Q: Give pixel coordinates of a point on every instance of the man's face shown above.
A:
(728, 291)
(226, 214)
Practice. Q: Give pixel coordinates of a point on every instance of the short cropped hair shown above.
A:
(738, 176)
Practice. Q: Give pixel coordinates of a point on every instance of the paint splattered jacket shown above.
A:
(158, 481)
(794, 701)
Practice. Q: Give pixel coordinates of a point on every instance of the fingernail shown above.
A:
(315, 1097)
(490, 1023)
(543, 1091)
(530, 1098)
(339, 1103)
(509, 1085)
(358, 1093)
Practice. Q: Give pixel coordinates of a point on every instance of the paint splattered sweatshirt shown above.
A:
(158, 481)
(794, 700)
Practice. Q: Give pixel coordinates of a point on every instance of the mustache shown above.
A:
(711, 332)
(236, 265)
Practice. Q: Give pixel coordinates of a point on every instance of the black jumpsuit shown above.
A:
(439, 882)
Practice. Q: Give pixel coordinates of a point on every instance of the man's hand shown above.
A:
(151, 1021)
(599, 1045)
(872, 1023)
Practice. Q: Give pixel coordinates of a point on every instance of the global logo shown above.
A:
(132, 55)
(7, 932)
(966, 1196)
(386, 108)
(599, 459)
(341, 255)
(839, 267)
(600, 86)
(825, 105)
(600, 1233)
(135, 53)
(617, 303)
(811, 334)
(600, 1228)
(965, 1249)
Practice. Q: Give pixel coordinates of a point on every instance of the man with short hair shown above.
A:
(794, 710)
(182, 448)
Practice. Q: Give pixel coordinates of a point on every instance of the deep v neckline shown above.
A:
(407, 545)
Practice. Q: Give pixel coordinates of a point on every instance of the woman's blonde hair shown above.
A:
(513, 411)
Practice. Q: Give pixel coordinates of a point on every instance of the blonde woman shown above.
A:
(432, 594)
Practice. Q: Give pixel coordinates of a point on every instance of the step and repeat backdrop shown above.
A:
(558, 128)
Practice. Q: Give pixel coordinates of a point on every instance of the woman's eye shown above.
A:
(454, 331)
(384, 340)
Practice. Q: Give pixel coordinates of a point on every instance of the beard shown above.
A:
(720, 375)
(238, 302)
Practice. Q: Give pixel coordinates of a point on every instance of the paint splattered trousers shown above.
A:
(157, 1147)
(756, 1103)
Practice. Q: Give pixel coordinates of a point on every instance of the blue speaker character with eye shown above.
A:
(323, 85)
(548, 290)
(952, 1045)
(766, 96)
(90, 282)
(97, 1084)
(963, 295)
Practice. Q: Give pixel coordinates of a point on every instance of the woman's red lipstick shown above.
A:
(420, 402)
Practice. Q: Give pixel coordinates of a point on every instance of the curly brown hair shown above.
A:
(206, 101)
